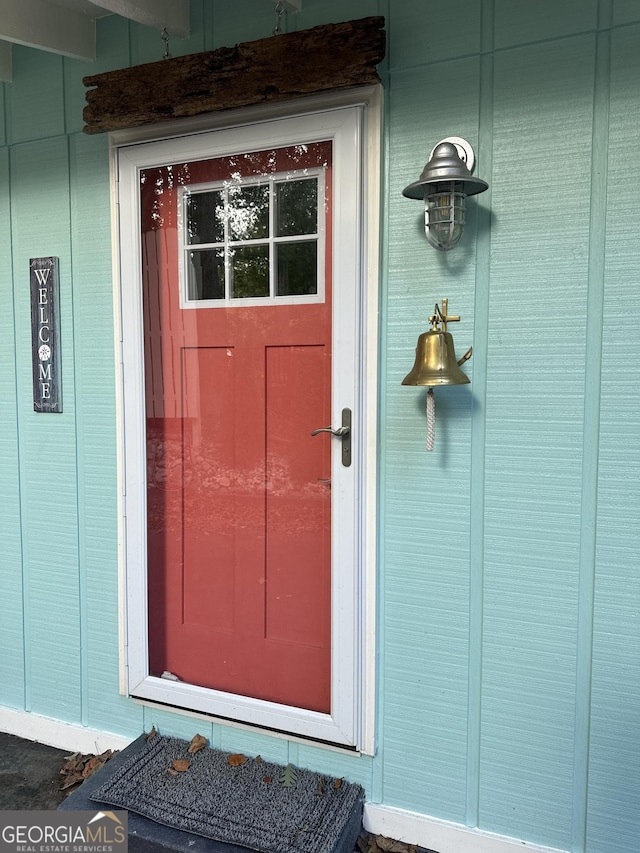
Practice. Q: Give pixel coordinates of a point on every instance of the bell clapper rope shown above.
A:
(431, 419)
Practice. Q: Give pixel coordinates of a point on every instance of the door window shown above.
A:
(256, 238)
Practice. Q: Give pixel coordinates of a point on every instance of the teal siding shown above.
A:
(534, 423)
(518, 22)
(12, 671)
(509, 599)
(35, 104)
(102, 706)
(47, 454)
(427, 597)
(613, 798)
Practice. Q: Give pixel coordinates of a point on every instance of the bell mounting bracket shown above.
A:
(441, 317)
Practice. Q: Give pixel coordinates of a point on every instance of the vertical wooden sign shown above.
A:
(44, 275)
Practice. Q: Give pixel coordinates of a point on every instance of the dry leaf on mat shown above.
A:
(237, 760)
(338, 784)
(197, 743)
(290, 777)
(181, 764)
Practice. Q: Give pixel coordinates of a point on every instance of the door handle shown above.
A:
(342, 432)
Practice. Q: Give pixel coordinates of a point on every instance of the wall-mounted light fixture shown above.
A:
(436, 362)
(445, 182)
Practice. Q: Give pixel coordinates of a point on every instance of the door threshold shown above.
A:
(254, 728)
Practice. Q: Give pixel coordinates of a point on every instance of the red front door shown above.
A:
(237, 316)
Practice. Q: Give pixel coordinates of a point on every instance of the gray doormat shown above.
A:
(248, 805)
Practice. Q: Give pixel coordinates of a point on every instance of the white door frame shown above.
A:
(353, 125)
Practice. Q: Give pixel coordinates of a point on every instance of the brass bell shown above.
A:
(436, 362)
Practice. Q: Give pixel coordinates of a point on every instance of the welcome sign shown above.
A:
(44, 276)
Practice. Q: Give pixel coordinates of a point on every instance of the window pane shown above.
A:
(205, 274)
(297, 269)
(250, 270)
(297, 207)
(248, 212)
(205, 217)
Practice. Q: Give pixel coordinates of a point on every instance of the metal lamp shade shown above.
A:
(444, 167)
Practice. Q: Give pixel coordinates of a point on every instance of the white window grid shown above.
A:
(185, 191)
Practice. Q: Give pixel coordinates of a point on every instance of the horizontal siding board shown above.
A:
(613, 815)
(252, 744)
(353, 768)
(176, 725)
(535, 414)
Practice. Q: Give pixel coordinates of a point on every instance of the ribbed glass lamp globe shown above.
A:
(444, 213)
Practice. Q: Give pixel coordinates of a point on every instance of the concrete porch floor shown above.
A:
(29, 774)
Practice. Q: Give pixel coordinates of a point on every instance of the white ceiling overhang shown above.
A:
(68, 27)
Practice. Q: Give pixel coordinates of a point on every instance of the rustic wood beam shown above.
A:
(278, 68)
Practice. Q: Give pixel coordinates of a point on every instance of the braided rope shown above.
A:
(431, 419)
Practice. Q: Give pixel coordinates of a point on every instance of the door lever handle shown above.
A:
(339, 431)
(342, 432)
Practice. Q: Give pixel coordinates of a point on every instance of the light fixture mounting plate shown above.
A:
(464, 149)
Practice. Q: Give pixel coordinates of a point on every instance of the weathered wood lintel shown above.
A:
(278, 68)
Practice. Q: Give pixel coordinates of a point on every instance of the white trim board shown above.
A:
(71, 736)
(441, 836)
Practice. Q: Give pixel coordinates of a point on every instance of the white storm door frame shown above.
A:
(350, 722)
